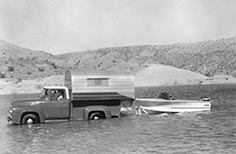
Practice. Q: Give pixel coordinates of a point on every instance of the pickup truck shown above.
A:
(86, 95)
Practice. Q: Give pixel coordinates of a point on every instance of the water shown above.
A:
(203, 132)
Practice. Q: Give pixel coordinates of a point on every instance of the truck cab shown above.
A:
(56, 102)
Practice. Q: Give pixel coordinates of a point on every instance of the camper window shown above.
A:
(97, 82)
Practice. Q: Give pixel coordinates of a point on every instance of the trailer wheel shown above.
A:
(30, 119)
(96, 116)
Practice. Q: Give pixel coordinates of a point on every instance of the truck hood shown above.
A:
(27, 102)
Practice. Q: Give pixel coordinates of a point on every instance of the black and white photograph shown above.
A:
(117, 76)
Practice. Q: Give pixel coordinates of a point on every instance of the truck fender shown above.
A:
(89, 109)
(40, 115)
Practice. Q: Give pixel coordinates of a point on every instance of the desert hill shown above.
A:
(208, 58)
(208, 62)
(22, 63)
(12, 51)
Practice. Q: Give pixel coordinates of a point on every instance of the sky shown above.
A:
(62, 26)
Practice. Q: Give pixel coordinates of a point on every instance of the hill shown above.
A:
(12, 51)
(152, 65)
(207, 57)
(22, 63)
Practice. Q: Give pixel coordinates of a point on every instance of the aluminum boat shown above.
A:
(160, 105)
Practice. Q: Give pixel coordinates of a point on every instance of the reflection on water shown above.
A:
(202, 132)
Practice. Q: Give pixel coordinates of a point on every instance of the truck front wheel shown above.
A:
(30, 119)
(96, 116)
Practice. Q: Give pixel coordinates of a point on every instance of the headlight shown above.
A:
(10, 111)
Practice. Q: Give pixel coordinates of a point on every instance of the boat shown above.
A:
(160, 105)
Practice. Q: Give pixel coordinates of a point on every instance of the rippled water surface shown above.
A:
(203, 132)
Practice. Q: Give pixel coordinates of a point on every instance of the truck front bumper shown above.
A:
(9, 120)
(9, 117)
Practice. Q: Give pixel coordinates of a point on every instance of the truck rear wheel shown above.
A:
(30, 119)
(96, 116)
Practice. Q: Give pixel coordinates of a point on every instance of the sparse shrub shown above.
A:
(100, 64)
(2, 75)
(46, 61)
(19, 80)
(78, 62)
(208, 74)
(41, 69)
(34, 58)
(54, 66)
(10, 68)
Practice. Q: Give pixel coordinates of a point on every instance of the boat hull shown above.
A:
(155, 106)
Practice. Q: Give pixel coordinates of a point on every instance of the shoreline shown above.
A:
(34, 87)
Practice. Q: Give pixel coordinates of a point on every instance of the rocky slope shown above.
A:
(19, 63)
(208, 58)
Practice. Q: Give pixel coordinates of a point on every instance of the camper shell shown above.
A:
(103, 91)
(82, 82)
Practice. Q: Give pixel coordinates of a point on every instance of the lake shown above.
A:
(196, 133)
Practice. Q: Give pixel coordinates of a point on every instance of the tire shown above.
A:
(96, 116)
(30, 119)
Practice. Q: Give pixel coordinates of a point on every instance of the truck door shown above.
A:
(55, 108)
